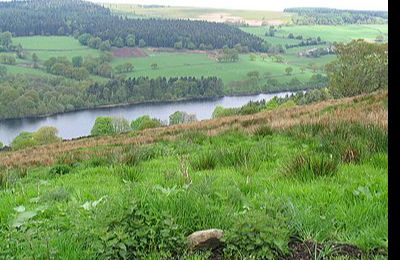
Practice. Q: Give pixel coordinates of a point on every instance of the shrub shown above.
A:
(257, 234)
(141, 232)
(102, 126)
(145, 122)
(23, 140)
(46, 135)
(310, 167)
(220, 111)
(60, 169)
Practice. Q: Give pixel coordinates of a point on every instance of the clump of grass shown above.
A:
(9, 177)
(132, 174)
(71, 158)
(194, 137)
(244, 157)
(308, 167)
(350, 143)
(204, 161)
(133, 155)
(58, 195)
(60, 169)
(263, 131)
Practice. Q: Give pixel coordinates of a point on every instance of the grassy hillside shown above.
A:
(330, 33)
(198, 13)
(317, 173)
(170, 63)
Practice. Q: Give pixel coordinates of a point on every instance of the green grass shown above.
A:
(190, 64)
(195, 13)
(46, 47)
(234, 181)
(173, 64)
(329, 33)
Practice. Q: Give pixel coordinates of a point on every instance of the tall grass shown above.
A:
(308, 167)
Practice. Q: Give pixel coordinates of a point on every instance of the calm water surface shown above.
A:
(79, 123)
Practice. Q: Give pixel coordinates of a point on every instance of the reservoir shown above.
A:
(79, 123)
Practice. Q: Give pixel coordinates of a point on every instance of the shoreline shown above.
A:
(151, 102)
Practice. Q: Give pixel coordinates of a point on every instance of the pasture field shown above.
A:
(190, 64)
(46, 47)
(210, 14)
(329, 33)
(170, 64)
(294, 178)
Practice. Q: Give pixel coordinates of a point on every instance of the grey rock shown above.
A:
(205, 239)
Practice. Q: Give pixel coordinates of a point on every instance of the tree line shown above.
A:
(77, 18)
(28, 96)
(330, 16)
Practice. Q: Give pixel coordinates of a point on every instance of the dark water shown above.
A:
(79, 123)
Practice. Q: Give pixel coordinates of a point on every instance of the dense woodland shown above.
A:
(32, 96)
(329, 16)
(76, 17)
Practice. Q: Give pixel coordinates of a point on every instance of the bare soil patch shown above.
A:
(129, 52)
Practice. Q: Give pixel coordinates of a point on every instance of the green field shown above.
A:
(170, 64)
(196, 13)
(46, 47)
(329, 33)
(175, 64)
(189, 64)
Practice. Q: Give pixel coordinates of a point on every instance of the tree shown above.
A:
(360, 67)
(130, 40)
(253, 75)
(253, 57)
(154, 66)
(302, 69)
(3, 71)
(178, 45)
(23, 140)
(46, 135)
(84, 38)
(105, 46)
(118, 42)
(77, 61)
(379, 38)
(1, 145)
(180, 117)
(103, 126)
(145, 122)
(290, 36)
(35, 60)
(6, 40)
(120, 125)
(94, 42)
(289, 70)
(142, 43)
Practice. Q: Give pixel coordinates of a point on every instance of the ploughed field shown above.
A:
(305, 181)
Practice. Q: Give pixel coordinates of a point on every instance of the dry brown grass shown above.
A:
(365, 109)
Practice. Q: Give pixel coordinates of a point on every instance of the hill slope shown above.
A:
(277, 183)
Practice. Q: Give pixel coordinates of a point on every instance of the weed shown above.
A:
(310, 167)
